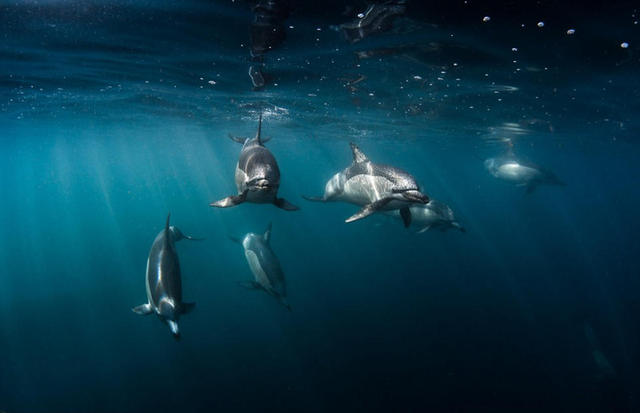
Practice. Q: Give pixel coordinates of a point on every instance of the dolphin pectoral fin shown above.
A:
(369, 209)
(188, 307)
(230, 201)
(284, 204)
(238, 139)
(457, 225)
(235, 239)
(144, 309)
(173, 326)
(314, 198)
(189, 237)
(425, 229)
(250, 285)
(405, 213)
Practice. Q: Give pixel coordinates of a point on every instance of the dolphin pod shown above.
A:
(374, 187)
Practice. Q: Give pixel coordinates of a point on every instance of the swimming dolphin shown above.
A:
(510, 168)
(163, 281)
(257, 175)
(264, 265)
(376, 187)
(434, 214)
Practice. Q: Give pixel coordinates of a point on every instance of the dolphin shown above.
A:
(510, 168)
(265, 266)
(373, 186)
(163, 280)
(257, 175)
(434, 214)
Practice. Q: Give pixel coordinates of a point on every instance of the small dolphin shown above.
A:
(510, 168)
(376, 187)
(257, 175)
(163, 281)
(434, 214)
(264, 265)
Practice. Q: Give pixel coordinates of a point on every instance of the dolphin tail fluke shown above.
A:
(284, 204)
(173, 326)
(369, 209)
(230, 201)
(188, 307)
(405, 213)
(314, 198)
(144, 309)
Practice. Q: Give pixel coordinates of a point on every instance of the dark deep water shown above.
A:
(114, 113)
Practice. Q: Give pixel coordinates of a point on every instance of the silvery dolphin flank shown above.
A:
(434, 214)
(375, 187)
(164, 281)
(510, 168)
(257, 175)
(265, 266)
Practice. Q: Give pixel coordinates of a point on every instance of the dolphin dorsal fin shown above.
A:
(358, 156)
(267, 234)
(167, 229)
(259, 134)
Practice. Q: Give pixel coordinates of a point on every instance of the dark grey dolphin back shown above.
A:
(163, 274)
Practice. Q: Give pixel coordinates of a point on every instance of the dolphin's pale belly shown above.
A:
(517, 173)
(258, 271)
(365, 189)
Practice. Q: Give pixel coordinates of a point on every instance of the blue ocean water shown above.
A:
(115, 113)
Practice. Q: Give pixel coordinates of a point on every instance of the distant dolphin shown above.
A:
(510, 168)
(264, 265)
(605, 370)
(163, 280)
(434, 214)
(376, 187)
(257, 175)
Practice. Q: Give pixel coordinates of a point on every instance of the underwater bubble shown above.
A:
(514, 49)
(624, 45)
(571, 31)
(360, 15)
(540, 24)
(486, 19)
